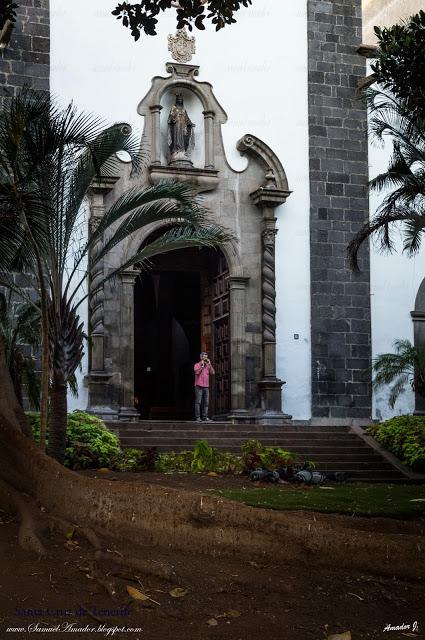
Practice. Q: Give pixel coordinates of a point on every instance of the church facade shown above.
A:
(265, 119)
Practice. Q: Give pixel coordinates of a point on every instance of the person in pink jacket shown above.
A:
(202, 369)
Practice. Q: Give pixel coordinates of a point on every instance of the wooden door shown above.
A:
(221, 337)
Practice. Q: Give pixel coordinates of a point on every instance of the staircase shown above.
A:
(332, 448)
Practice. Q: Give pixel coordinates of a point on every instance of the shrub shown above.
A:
(137, 459)
(255, 455)
(251, 455)
(202, 459)
(404, 436)
(89, 443)
(172, 461)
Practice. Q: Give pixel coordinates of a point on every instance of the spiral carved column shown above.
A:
(268, 286)
(96, 305)
(268, 198)
(97, 329)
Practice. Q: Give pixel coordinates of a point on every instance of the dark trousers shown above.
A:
(201, 397)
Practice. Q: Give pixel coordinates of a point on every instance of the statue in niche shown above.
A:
(181, 134)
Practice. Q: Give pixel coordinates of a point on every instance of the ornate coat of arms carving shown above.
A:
(182, 46)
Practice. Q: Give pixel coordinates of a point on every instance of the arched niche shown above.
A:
(194, 108)
(207, 111)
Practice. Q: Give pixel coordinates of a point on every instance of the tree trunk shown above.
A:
(38, 487)
(58, 418)
(44, 401)
(10, 407)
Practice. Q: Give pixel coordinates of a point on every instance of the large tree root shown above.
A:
(30, 520)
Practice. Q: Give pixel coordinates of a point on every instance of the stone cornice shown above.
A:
(269, 197)
(419, 316)
(205, 179)
(104, 185)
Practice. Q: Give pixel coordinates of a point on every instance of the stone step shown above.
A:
(241, 436)
(338, 451)
(335, 462)
(321, 458)
(235, 445)
(221, 426)
(331, 448)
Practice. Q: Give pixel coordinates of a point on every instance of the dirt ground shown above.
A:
(224, 598)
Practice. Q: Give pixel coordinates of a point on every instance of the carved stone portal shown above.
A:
(245, 203)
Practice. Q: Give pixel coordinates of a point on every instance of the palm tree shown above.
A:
(48, 160)
(405, 366)
(404, 206)
(20, 330)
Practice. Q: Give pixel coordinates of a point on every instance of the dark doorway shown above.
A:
(179, 311)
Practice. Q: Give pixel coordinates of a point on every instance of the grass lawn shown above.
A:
(392, 501)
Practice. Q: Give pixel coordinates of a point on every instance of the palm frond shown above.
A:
(397, 389)
(406, 365)
(181, 237)
(168, 201)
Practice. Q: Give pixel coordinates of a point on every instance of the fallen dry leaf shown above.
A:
(213, 474)
(138, 595)
(340, 636)
(212, 622)
(178, 592)
(71, 545)
(233, 613)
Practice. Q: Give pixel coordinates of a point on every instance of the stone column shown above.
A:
(209, 138)
(99, 401)
(156, 134)
(97, 329)
(238, 344)
(268, 198)
(268, 298)
(127, 410)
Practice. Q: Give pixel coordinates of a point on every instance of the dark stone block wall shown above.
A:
(340, 299)
(26, 60)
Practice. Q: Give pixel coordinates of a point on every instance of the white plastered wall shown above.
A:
(258, 69)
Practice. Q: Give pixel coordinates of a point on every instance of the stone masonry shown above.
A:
(26, 60)
(340, 299)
